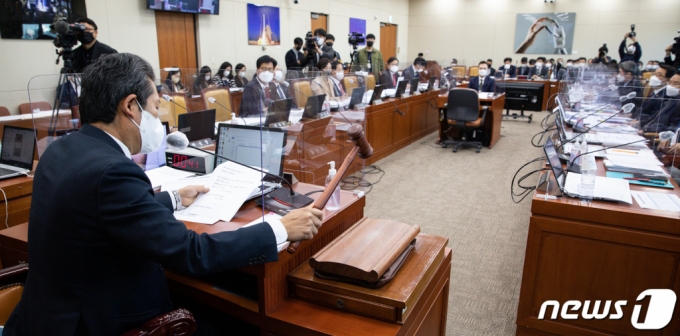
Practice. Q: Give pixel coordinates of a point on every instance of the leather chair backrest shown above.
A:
(223, 97)
(166, 112)
(473, 71)
(10, 296)
(27, 108)
(370, 82)
(458, 71)
(302, 90)
(4, 111)
(647, 75)
(351, 82)
(463, 105)
(181, 100)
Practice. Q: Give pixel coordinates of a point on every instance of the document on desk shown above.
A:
(606, 188)
(163, 175)
(230, 185)
(266, 218)
(657, 201)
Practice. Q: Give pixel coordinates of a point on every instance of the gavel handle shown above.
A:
(320, 202)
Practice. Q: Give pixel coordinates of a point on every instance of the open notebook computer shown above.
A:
(18, 148)
(255, 146)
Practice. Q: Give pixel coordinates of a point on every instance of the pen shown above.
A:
(659, 182)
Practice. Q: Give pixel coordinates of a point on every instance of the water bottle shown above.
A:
(588, 173)
(584, 146)
(575, 151)
(334, 202)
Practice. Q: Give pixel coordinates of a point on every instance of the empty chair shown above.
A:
(370, 82)
(222, 104)
(181, 107)
(473, 71)
(301, 90)
(28, 108)
(4, 111)
(462, 112)
(351, 82)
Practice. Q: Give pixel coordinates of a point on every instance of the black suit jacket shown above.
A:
(291, 61)
(489, 84)
(80, 60)
(100, 238)
(387, 80)
(254, 100)
(501, 72)
(523, 71)
(543, 73)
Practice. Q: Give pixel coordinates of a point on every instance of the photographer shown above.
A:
(631, 53)
(90, 49)
(602, 57)
(318, 51)
(669, 60)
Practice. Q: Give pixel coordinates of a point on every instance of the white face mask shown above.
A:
(483, 72)
(650, 66)
(620, 78)
(394, 69)
(207, 77)
(420, 70)
(340, 75)
(631, 49)
(151, 131)
(278, 75)
(425, 72)
(548, 65)
(655, 81)
(655, 66)
(265, 76)
(570, 65)
(672, 91)
(507, 66)
(319, 41)
(227, 73)
(582, 65)
(539, 64)
(242, 74)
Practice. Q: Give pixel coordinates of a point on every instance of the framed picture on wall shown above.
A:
(544, 33)
(264, 25)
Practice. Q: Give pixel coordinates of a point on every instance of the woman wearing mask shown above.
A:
(173, 82)
(390, 76)
(224, 76)
(203, 80)
(241, 80)
(322, 84)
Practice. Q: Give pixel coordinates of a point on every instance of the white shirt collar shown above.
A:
(659, 90)
(126, 151)
(260, 82)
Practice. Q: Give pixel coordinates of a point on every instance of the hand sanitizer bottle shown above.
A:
(334, 202)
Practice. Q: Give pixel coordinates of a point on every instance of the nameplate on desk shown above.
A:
(201, 143)
(280, 124)
(417, 93)
(185, 129)
(377, 102)
(405, 95)
(323, 115)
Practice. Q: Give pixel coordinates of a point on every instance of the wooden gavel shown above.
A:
(361, 147)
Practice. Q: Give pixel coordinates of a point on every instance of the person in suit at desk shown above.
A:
(257, 95)
(627, 81)
(278, 86)
(173, 81)
(482, 83)
(419, 65)
(659, 97)
(100, 236)
(322, 84)
(390, 76)
(241, 80)
(668, 118)
(539, 71)
(492, 71)
(507, 70)
(337, 74)
(523, 69)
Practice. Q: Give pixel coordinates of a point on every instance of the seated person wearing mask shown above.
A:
(323, 84)
(173, 82)
(278, 86)
(203, 80)
(414, 71)
(101, 237)
(256, 95)
(390, 76)
(482, 83)
(492, 71)
(668, 117)
(627, 81)
(657, 97)
(224, 77)
(241, 81)
(337, 74)
(631, 53)
(539, 71)
(523, 69)
(507, 70)
(90, 49)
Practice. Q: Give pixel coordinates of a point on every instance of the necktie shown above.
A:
(281, 94)
(342, 92)
(336, 91)
(481, 83)
(394, 79)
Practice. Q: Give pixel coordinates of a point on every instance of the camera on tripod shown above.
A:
(310, 42)
(356, 39)
(632, 31)
(67, 34)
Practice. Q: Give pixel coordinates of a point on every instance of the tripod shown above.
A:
(66, 72)
(352, 56)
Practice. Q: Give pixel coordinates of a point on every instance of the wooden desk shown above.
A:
(18, 191)
(549, 88)
(492, 124)
(606, 251)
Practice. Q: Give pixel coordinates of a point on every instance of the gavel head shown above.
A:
(356, 133)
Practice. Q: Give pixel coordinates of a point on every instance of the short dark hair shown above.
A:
(581, 58)
(489, 60)
(570, 60)
(524, 59)
(541, 59)
(265, 59)
(670, 71)
(88, 21)
(532, 61)
(334, 65)
(323, 62)
(297, 41)
(454, 60)
(370, 36)
(320, 32)
(110, 79)
(420, 61)
(330, 37)
(507, 59)
(482, 62)
(392, 59)
(420, 54)
(628, 66)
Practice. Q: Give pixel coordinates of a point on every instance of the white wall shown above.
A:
(127, 26)
(479, 29)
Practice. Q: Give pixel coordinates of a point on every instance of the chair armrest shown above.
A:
(178, 322)
(13, 274)
(485, 109)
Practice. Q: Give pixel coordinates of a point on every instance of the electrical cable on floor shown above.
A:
(353, 182)
(527, 189)
(6, 208)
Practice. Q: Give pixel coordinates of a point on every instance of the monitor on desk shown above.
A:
(18, 146)
(357, 97)
(313, 106)
(197, 125)
(401, 88)
(377, 93)
(414, 85)
(255, 146)
(555, 163)
(279, 111)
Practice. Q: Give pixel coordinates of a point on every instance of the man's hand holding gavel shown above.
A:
(302, 224)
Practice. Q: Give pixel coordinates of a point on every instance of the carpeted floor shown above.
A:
(466, 197)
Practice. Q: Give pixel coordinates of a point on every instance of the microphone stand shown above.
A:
(577, 168)
(589, 128)
(361, 147)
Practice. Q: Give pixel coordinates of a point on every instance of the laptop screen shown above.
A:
(18, 146)
(250, 146)
(554, 162)
(197, 125)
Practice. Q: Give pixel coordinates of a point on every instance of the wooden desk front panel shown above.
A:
(570, 260)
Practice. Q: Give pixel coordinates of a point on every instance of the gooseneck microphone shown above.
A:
(169, 99)
(630, 95)
(626, 108)
(572, 168)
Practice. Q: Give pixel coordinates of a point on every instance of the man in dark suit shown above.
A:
(507, 70)
(627, 81)
(657, 97)
(492, 71)
(279, 88)
(90, 49)
(257, 95)
(482, 83)
(523, 69)
(419, 64)
(539, 71)
(294, 56)
(390, 76)
(100, 237)
(667, 119)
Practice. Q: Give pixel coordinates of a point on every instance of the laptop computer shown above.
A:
(279, 113)
(414, 85)
(313, 106)
(197, 125)
(401, 88)
(357, 97)
(592, 139)
(256, 146)
(377, 93)
(18, 148)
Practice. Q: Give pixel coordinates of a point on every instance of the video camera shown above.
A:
(67, 34)
(603, 51)
(356, 39)
(632, 31)
(310, 42)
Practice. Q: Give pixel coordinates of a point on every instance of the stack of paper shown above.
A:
(657, 201)
(629, 164)
(162, 175)
(609, 189)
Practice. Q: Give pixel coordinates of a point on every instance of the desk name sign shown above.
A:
(377, 102)
(280, 124)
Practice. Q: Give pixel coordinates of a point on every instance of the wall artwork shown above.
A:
(264, 25)
(544, 33)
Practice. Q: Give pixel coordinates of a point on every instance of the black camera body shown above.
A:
(356, 39)
(632, 31)
(603, 50)
(67, 38)
(675, 48)
(310, 42)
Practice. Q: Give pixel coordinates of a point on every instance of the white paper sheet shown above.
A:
(230, 187)
(612, 189)
(162, 175)
(657, 201)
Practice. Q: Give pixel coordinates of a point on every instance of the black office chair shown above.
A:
(462, 112)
